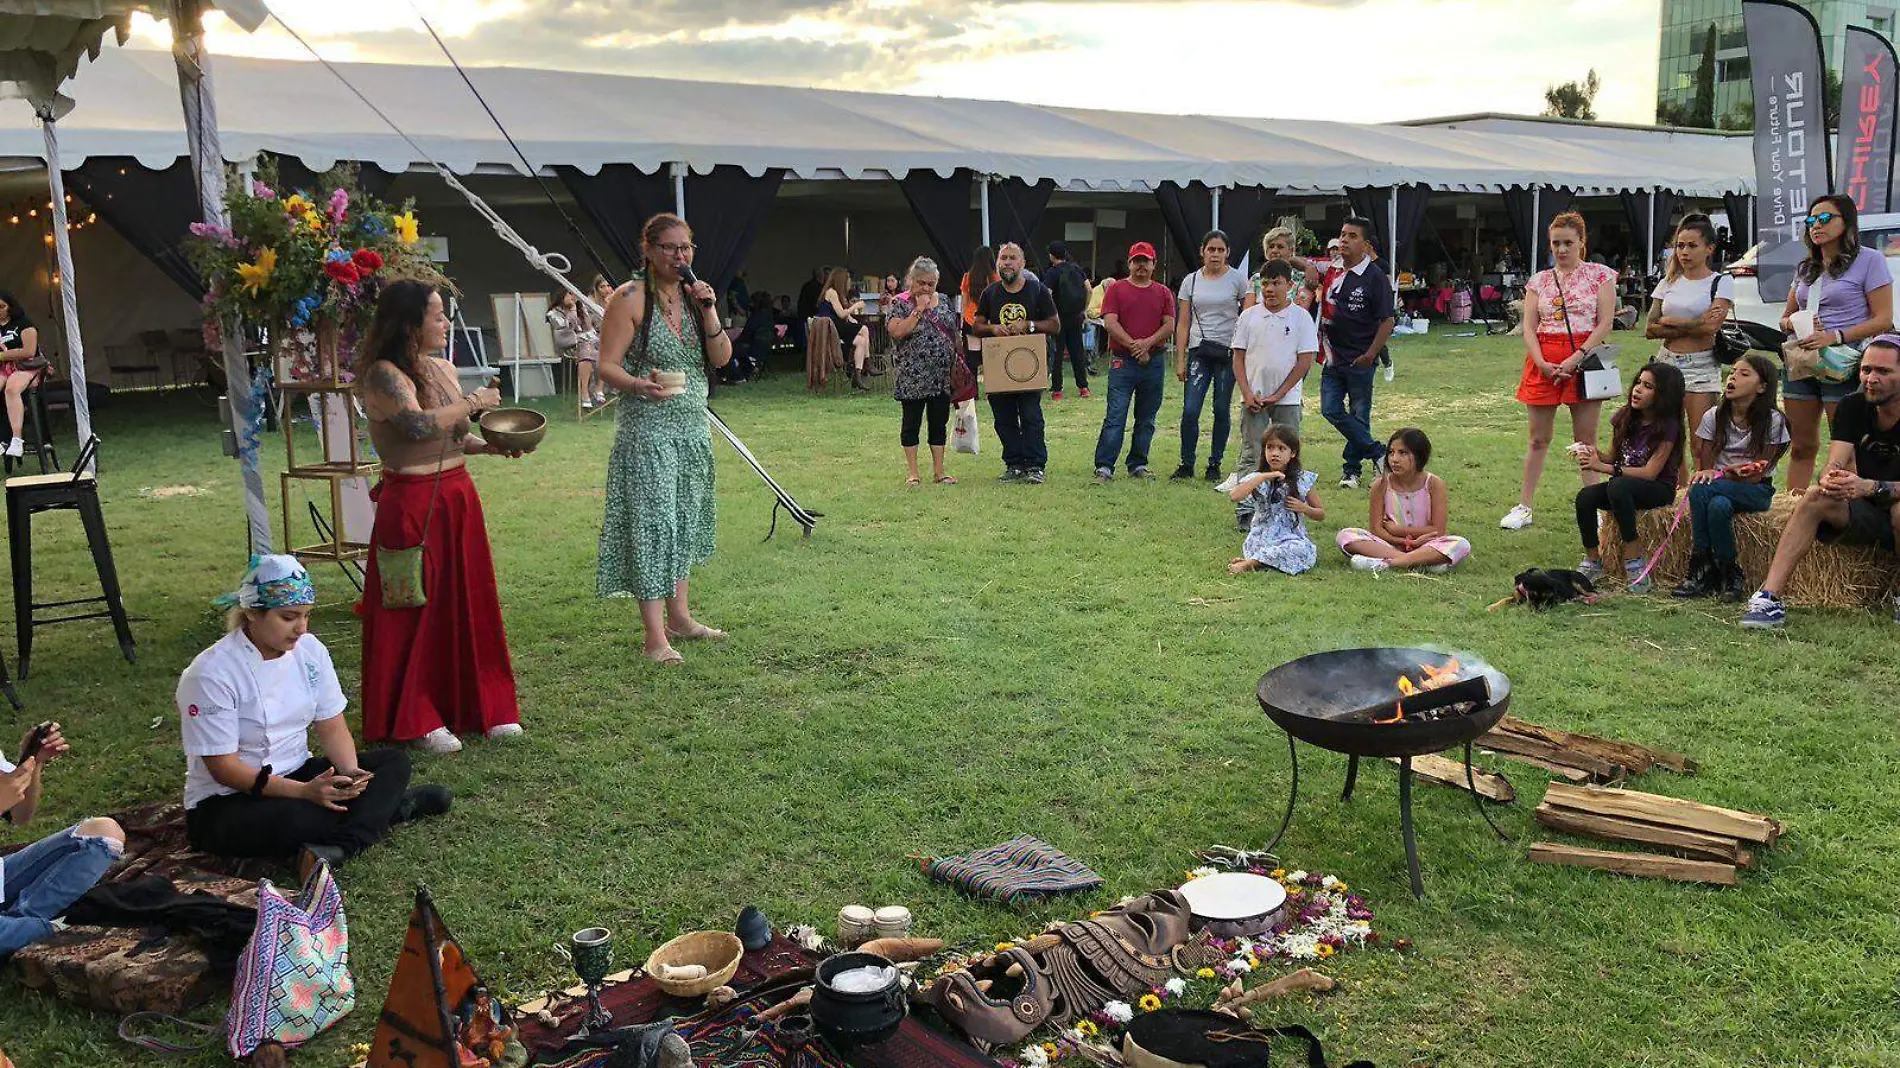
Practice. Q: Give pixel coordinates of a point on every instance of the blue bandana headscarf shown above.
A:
(273, 582)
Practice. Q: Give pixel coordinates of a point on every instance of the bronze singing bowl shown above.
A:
(514, 429)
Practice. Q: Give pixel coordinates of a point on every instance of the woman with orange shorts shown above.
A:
(1568, 310)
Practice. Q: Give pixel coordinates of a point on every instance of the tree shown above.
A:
(1573, 100)
(1702, 111)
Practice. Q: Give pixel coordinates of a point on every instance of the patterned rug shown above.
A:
(721, 1043)
(1019, 869)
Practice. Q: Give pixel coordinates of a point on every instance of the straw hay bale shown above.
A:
(1829, 576)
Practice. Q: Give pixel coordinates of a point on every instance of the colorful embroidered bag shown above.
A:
(293, 981)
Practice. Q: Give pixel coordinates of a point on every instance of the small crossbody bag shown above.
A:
(399, 571)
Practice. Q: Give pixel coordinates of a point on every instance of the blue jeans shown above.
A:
(1345, 399)
(1144, 385)
(1203, 373)
(45, 878)
(1712, 508)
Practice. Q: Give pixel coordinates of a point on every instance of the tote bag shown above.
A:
(293, 981)
(1835, 363)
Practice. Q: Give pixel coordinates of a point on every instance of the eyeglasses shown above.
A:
(1821, 218)
(676, 250)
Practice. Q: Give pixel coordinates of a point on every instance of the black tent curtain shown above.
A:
(1529, 232)
(726, 209)
(1243, 215)
(1188, 212)
(1636, 212)
(1375, 204)
(152, 210)
(1016, 207)
(1740, 239)
(618, 200)
(942, 207)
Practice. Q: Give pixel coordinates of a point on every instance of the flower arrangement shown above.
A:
(1321, 918)
(313, 258)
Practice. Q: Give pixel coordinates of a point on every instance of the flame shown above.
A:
(1407, 688)
(1435, 677)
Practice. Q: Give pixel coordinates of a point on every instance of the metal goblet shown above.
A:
(592, 950)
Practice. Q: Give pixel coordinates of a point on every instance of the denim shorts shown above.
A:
(1816, 389)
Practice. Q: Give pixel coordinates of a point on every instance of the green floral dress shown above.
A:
(661, 518)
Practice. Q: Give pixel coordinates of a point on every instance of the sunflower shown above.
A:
(296, 204)
(1204, 973)
(406, 231)
(1324, 950)
(253, 277)
(1148, 1003)
(1087, 1028)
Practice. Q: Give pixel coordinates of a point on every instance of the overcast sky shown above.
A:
(1275, 58)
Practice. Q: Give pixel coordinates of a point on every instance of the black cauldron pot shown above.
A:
(848, 1020)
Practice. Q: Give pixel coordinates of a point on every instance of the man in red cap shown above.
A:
(1139, 315)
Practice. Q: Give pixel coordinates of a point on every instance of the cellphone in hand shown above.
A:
(35, 741)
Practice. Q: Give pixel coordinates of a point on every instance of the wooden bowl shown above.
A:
(514, 429)
(716, 951)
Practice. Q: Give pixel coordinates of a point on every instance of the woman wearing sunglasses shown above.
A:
(1850, 290)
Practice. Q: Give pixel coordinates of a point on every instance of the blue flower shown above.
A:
(374, 226)
(336, 255)
(301, 312)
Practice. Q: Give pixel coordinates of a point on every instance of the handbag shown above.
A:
(1833, 363)
(292, 982)
(399, 571)
(966, 437)
(1730, 343)
(1601, 379)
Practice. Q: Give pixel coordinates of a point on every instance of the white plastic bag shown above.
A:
(966, 436)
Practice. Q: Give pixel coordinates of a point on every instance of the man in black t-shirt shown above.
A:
(1856, 501)
(1070, 288)
(1017, 304)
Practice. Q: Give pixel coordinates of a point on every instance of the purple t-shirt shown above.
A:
(1645, 441)
(1844, 299)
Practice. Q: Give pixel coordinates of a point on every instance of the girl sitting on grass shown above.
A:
(1283, 499)
(1645, 465)
(1407, 527)
(1736, 447)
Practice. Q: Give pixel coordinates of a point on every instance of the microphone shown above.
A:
(689, 279)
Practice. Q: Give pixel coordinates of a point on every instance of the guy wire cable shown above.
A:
(545, 263)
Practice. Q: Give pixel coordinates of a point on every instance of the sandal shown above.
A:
(703, 634)
(668, 657)
(912, 482)
(946, 480)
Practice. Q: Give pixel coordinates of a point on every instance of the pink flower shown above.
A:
(262, 191)
(214, 232)
(339, 204)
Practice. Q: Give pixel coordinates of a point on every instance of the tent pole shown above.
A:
(679, 188)
(1392, 232)
(1535, 254)
(1215, 197)
(1649, 251)
(64, 281)
(207, 161)
(983, 188)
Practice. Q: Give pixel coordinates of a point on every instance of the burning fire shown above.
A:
(1434, 678)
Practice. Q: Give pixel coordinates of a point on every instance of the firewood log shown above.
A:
(1648, 865)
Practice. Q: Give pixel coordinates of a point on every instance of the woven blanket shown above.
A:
(1019, 869)
(725, 1041)
(640, 1000)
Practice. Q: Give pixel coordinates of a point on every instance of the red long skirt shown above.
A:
(445, 664)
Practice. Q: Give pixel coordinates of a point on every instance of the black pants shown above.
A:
(939, 408)
(1018, 420)
(239, 825)
(1069, 341)
(1622, 497)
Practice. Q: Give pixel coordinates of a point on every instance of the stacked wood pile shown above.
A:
(1703, 843)
(1578, 758)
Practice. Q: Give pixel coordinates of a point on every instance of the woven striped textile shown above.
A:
(1019, 869)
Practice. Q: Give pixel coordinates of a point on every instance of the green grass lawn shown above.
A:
(942, 668)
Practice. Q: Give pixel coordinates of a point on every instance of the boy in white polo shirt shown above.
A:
(1275, 344)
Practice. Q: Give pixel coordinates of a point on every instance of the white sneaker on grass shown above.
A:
(1370, 563)
(1517, 518)
(440, 741)
(504, 732)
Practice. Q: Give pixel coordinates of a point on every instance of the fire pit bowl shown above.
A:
(1331, 700)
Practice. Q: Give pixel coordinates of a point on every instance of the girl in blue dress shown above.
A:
(1283, 499)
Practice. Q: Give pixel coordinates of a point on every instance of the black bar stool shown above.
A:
(78, 490)
(37, 436)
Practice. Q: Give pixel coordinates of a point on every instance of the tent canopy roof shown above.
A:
(42, 42)
(590, 120)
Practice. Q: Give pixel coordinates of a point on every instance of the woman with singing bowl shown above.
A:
(655, 342)
(435, 655)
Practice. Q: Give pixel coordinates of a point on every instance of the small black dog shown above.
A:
(1540, 589)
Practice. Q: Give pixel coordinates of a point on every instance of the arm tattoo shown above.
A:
(415, 424)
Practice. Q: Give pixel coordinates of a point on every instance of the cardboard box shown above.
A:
(1016, 364)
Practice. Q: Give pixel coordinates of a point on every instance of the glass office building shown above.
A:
(1685, 33)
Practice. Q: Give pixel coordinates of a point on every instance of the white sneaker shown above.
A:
(1389, 372)
(16, 448)
(600, 400)
(1517, 518)
(439, 741)
(1370, 563)
(1349, 482)
(587, 404)
(504, 731)
(1227, 485)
